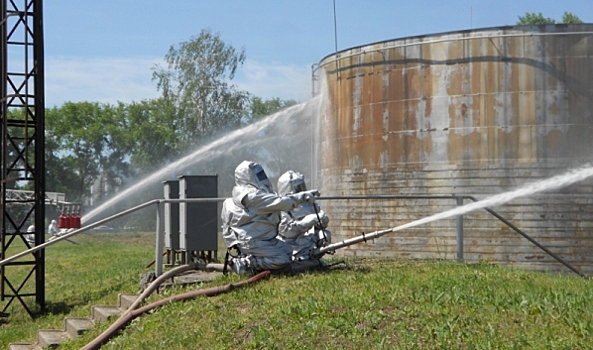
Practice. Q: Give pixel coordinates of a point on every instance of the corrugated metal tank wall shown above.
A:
(475, 112)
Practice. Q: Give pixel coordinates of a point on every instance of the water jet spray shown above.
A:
(252, 137)
(552, 183)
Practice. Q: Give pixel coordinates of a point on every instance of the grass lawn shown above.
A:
(361, 304)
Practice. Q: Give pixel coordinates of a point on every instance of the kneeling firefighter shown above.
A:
(304, 227)
(251, 217)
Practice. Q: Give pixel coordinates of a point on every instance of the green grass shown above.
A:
(363, 304)
(78, 276)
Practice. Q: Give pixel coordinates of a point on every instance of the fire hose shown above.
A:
(132, 313)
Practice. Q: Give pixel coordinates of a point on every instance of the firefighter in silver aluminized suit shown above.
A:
(305, 227)
(251, 217)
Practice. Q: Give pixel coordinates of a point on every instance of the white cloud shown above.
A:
(98, 80)
(114, 79)
(275, 80)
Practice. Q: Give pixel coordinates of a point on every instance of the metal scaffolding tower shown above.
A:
(22, 126)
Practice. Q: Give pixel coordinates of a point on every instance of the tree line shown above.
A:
(532, 18)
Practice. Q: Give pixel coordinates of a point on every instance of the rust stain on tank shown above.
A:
(475, 112)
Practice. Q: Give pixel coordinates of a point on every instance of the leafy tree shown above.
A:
(150, 130)
(569, 18)
(538, 18)
(534, 19)
(59, 177)
(196, 82)
(85, 143)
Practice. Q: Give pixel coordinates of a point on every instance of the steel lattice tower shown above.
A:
(22, 160)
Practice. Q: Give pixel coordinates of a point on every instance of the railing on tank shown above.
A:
(459, 223)
(160, 234)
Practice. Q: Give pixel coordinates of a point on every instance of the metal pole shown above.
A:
(336, 42)
(160, 239)
(39, 91)
(536, 243)
(3, 115)
(335, 28)
(459, 230)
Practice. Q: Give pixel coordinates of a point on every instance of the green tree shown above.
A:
(532, 18)
(151, 135)
(570, 18)
(59, 176)
(86, 143)
(196, 81)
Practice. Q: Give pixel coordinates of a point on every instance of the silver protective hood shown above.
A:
(291, 182)
(251, 173)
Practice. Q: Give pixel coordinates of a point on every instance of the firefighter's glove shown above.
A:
(324, 220)
(310, 196)
(307, 222)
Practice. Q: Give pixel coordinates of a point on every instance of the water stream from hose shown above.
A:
(282, 132)
(549, 184)
(552, 183)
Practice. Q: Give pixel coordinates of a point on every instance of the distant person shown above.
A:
(250, 221)
(30, 238)
(52, 229)
(304, 227)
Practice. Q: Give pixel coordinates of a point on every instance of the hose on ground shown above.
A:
(158, 281)
(128, 316)
(169, 274)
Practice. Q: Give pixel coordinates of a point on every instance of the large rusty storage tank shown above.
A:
(476, 112)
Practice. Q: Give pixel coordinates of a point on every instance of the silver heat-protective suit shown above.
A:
(304, 227)
(52, 229)
(30, 237)
(251, 217)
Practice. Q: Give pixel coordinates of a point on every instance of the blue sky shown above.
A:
(103, 51)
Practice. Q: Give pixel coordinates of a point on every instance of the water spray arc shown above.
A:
(249, 137)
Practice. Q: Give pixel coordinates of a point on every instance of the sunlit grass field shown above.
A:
(357, 304)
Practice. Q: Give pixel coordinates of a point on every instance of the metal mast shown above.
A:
(22, 125)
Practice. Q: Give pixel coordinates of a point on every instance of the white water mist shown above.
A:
(553, 183)
(284, 129)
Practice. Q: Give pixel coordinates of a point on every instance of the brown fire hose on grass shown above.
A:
(129, 315)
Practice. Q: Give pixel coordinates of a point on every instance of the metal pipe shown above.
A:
(388, 196)
(519, 231)
(364, 237)
(160, 239)
(103, 221)
(190, 200)
(460, 231)
(80, 230)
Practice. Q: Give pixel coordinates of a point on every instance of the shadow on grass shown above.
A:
(63, 307)
(326, 267)
(57, 308)
(3, 318)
